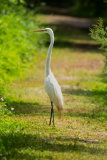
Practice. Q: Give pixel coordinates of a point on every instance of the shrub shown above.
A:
(99, 33)
(18, 44)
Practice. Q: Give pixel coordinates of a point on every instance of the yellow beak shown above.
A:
(38, 31)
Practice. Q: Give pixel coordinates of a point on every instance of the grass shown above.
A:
(82, 131)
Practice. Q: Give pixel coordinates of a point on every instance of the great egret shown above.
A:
(51, 85)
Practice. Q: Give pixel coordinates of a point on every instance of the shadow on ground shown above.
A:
(84, 92)
(17, 141)
(95, 96)
(29, 108)
(84, 47)
(71, 37)
(99, 97)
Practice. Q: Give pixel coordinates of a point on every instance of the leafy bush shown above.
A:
(18, 43)
(17, 46)
(100, 35)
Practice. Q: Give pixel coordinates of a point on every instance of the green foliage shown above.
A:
(16, 46)
(100, 35)
(2, 148)
(18, 43)
(6, 6)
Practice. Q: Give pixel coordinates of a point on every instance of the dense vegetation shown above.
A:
(18, 43)
(99, 33)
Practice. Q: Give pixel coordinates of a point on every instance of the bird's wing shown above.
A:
(50, 87)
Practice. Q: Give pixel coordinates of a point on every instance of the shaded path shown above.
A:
(75, 31)
(82, 23)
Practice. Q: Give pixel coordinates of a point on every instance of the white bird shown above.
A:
(51, 85)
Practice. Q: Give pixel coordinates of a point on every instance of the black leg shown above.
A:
(52, 112)
(50, 116)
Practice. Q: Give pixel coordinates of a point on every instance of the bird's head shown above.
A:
(46, 30)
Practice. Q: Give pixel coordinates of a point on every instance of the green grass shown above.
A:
(82, 131)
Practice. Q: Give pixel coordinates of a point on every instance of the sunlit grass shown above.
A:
(81, 134)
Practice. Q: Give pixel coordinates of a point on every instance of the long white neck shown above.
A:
(47, 65)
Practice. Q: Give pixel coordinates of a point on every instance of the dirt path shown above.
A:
(82, 23)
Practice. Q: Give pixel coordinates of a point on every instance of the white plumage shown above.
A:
(51, 85)
(54, 91)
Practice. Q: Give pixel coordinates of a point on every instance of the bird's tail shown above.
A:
(60, 112)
